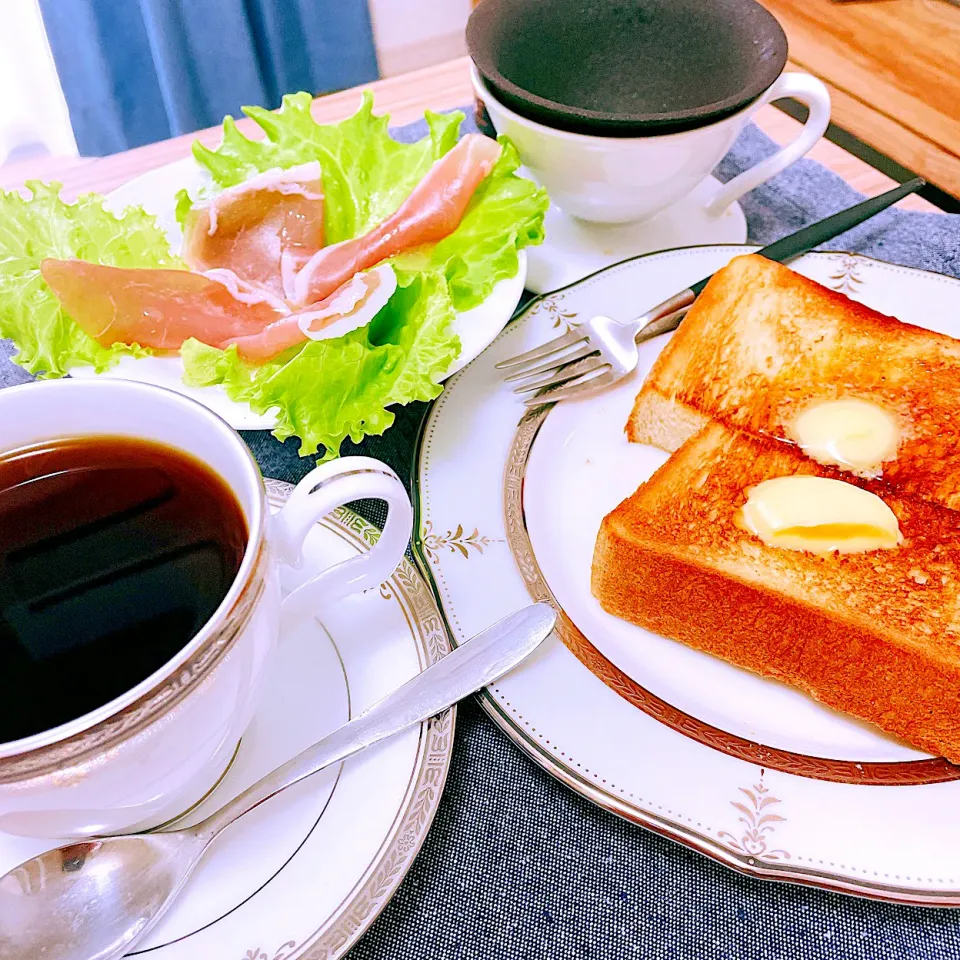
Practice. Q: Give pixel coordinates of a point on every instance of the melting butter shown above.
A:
(819, 515)
(852, 434)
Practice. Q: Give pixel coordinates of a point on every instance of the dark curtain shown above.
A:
(136, 71)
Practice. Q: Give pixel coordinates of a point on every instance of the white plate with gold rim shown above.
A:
(746, 770)
(302, 876)
(156, 192)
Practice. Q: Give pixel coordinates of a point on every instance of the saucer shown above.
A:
(573, 249)
(306, 873)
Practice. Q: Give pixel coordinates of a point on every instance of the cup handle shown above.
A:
(809, 91)
(322, 490)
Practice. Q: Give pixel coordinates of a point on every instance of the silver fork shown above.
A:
(594, 354)
(601, 351)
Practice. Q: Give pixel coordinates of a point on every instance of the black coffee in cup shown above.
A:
(113, 554)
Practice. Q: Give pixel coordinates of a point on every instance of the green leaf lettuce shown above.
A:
(47, 340)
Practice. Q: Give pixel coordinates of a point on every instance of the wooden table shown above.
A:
(893, 70)
(405, 98)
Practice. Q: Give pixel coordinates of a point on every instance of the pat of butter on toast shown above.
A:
(852, 433)
(820, 515)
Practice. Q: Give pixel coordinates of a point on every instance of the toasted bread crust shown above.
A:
(762, 343)
(876, 635)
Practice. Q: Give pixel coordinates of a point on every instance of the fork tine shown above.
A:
(539, 353)
(557, 375)
(554, 364)
(580, 387)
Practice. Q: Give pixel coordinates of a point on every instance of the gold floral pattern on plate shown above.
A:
(456, 541)
(562, 319)
(758, 824)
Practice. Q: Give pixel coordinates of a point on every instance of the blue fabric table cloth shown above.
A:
(517, 866)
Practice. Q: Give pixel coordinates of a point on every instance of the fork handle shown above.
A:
(666, 316)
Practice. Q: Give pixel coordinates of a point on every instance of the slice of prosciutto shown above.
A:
(349, 307)
(264, 230)
(155, 308)
(432, 211)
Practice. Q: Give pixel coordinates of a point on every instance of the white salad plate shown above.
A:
(746, 770)
(302, 876)
(156, 192)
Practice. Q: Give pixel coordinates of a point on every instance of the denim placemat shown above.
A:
(517, 866)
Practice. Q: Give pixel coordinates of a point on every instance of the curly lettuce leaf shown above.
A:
(47, 340)
(333, 389)
(206, 366)
(367, 175)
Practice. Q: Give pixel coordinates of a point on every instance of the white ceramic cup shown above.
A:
(153, 752)
(629, 179)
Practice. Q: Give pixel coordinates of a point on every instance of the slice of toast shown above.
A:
(874, 634)
(763, 343)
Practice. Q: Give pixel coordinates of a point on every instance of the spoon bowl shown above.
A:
(126, 882)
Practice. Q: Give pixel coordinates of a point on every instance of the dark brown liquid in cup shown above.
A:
(114, 552)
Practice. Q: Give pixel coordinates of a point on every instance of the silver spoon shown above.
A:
(93, 900)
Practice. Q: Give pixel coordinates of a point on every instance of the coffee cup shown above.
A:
(614, 180)
(149, 754)
(621, 110)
